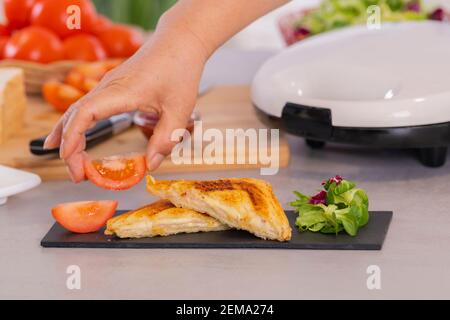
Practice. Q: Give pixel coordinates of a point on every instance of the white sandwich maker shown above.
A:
(383, 88)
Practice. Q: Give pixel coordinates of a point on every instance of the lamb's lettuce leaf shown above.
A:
(344, 207)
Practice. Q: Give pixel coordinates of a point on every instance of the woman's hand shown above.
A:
(162, 78)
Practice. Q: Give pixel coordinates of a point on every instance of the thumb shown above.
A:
(161, 142)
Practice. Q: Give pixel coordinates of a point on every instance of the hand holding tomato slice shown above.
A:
(162, 78)
(116, 172)
(84, 217)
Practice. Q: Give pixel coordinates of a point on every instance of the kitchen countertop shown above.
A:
(414, 262)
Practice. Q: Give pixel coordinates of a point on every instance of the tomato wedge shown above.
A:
(60, 95)
(85, 77)
(84, 217)
(116, 172)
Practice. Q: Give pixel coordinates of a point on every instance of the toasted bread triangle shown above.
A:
(247, 204)
(161, 218)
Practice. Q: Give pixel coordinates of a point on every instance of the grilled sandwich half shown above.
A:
(247, 204)
(161, 218)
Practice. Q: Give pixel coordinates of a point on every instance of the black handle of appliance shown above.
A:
(309, 122)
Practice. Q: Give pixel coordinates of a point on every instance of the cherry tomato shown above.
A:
(53, 14)
(121, 41)
(101, 24)
(3, 41)
(18, 12)
(116, 172)
(83, 47)
(34, 44)
(61, 96)
(4, 30)
(84, 217)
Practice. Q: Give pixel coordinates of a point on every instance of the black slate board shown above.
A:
(370, 237)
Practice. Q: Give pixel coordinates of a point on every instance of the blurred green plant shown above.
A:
(143, 13)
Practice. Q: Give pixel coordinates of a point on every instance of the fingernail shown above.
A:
(70, 175)
(61, 150)
(155, 162)
(47, 141)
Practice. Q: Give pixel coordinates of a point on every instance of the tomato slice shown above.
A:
(116, 172)
(84, 217)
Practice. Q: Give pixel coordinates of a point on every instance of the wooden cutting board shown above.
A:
(220, 108)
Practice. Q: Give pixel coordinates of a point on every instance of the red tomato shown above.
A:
(121, 41)
(4, 30)
(3, 41)
(18, 12)
(101, 24)
(116, 172)
(84, 217)
(61, 96)
(53, 14)
(83, 47)
(34, 44)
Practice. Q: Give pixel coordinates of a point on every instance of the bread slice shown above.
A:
(161, 218)
(13, 102)
(247, 204)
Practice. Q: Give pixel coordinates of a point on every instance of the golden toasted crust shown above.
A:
(248, 204)
(161, 218)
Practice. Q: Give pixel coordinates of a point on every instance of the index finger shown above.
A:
(87, 112)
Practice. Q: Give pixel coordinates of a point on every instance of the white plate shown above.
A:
(13, 181)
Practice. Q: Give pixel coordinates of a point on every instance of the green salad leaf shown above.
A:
(333, 14)
(339, 207)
